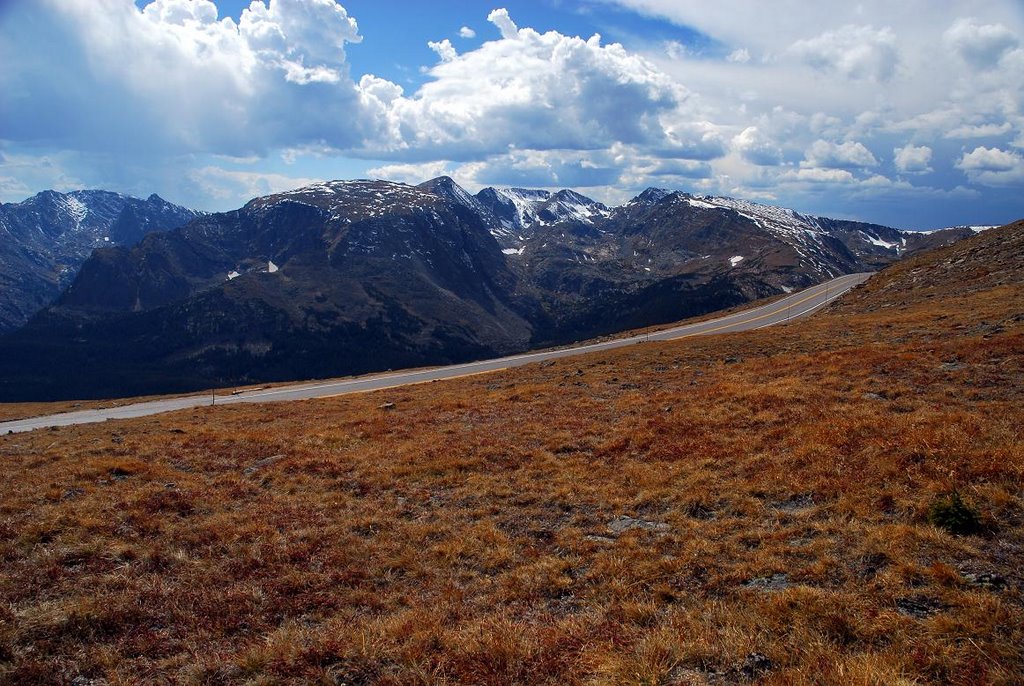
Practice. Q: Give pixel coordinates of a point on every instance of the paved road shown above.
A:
(792, 306)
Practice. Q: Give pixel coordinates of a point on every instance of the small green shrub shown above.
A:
(952, 514)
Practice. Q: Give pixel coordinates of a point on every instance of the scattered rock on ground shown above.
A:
(775, 582)
(796, 503)
(689, 676)
(987, 580)
(920, 607)
(260, 464)
(85, 681)
(870, 565)
(754, 665)
(622, 524)
(72, 493)
(699, 511)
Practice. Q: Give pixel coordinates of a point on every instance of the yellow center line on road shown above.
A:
(786, 306)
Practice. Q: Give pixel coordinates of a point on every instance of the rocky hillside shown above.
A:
(46, 239)
(989, 261)
(354, 276)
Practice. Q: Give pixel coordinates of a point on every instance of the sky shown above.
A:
(909, 114)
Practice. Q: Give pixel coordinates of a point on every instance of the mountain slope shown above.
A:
(668, 255)
(992, 261)
(45, 240)
(330, 279)
(347, 277)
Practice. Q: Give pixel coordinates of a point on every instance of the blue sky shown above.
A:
(910, 115)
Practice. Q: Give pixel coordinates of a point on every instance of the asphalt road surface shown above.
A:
(792, 306)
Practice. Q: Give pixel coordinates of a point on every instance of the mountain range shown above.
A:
(45, 239)
(346, 277)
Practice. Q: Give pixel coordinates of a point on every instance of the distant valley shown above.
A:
(348, 277)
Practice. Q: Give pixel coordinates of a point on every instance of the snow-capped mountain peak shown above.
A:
(651, 196)
(446, 186)
(520, 210)
(571, 206)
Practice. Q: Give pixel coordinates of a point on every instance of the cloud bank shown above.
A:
(830, 108)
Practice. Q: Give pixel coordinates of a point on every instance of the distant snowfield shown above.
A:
(975, 229)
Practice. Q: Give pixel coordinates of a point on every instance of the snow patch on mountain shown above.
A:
(76, 209)
(875, 240)
(353, 201)
(518, 212)
(781, 221)
(571, 206)
(526, 202)
(975, 229)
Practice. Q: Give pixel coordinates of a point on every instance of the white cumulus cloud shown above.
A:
(413, 173)
(913, 159)
(980, 130)
(856, 52)
(988, 159)
(173, 78)
(534, 91)
(993, 166)
(848, 155)
(444, 49)
(230, 183)
(757, 148)
(466, 32)
(982, 45)
(815, 175)
(503, 21)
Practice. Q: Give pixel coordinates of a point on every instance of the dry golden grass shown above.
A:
(778, 483)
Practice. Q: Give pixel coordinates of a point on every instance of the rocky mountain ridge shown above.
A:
(347, 277)
(45, 240)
